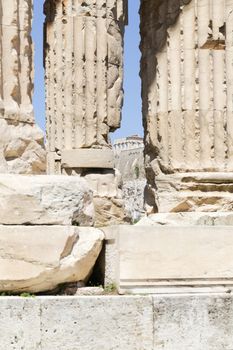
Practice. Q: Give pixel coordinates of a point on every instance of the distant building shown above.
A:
(129, 160)
(128, 143)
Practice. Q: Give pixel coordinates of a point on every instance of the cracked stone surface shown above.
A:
(39, 258)
(45, 200)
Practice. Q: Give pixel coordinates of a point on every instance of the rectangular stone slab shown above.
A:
(44, 200)
(168, 259)
(87, 158)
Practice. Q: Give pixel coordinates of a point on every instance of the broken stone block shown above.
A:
(45, 200)
(39, 258)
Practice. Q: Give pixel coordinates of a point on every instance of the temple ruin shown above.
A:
(102, 281)
(84, 78)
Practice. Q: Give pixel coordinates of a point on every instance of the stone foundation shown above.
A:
(134, 323)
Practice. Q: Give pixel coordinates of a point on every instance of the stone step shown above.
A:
(166, 322)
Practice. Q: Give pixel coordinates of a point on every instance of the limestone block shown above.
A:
(109, 205)
(188, 219)
(188, 322)
(167, 322)
(87, 158)
(109, 256)
(96, 323)
(20, 323)
(45, 200)
(105, 184)
(39, 258)
(177, 258)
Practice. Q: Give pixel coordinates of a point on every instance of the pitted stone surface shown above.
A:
(45, 200)
(20, 325)
(161, 322)
(97, 323)
(193, 322)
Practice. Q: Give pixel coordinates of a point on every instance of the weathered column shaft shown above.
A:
(187, 55)
(21, 149)
(83, 62)
(16, 61)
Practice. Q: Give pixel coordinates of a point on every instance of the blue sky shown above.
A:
(131, 119)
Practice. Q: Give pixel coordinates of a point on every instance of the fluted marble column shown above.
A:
(187, 70)
(21, 141)
(83, 63)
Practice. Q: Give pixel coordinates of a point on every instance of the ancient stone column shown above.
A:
(187, 75)
(21, 141)
(83, 63)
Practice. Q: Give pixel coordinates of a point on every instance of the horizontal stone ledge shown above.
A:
(164, 259)
(118, 323)
(87, 158)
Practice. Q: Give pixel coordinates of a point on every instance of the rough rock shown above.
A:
(39, 258)
(110, 211)
(21, 148)
(45, 200)
(109, 204)
(133, 195)
(202, 191)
